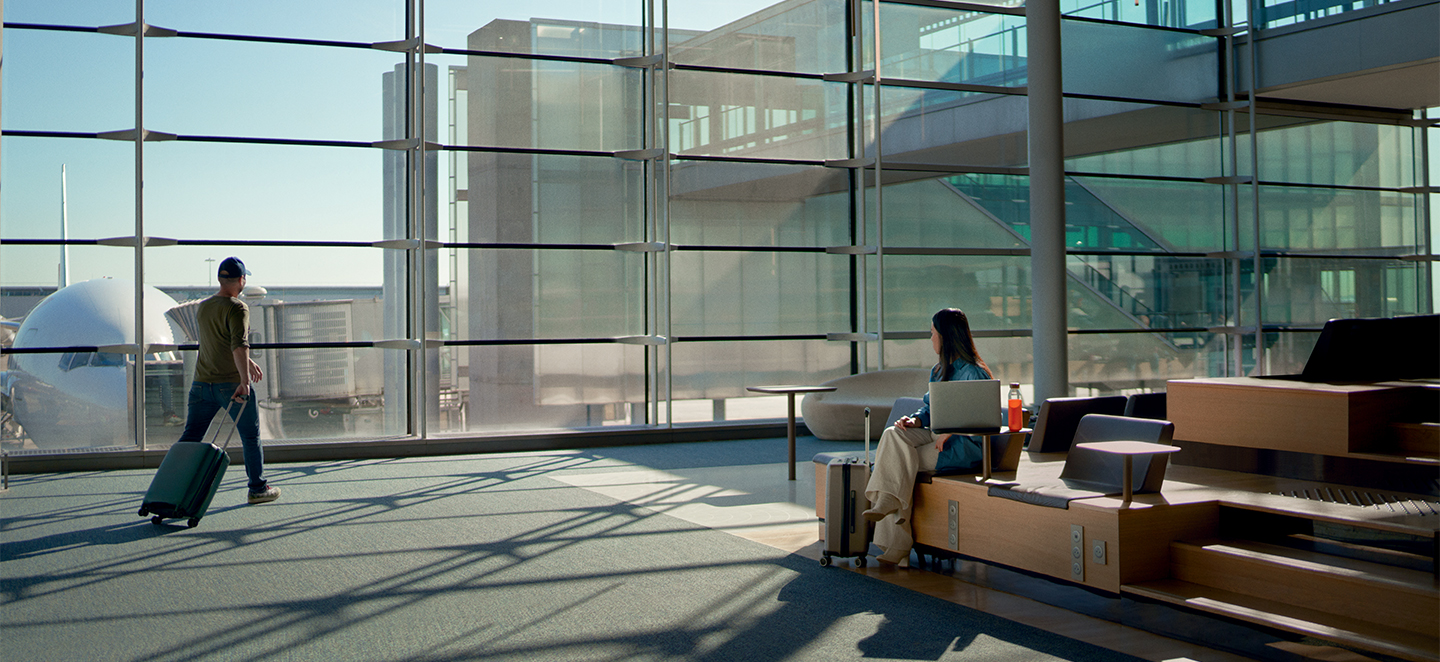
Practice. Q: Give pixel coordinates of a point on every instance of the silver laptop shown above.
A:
(968, 406)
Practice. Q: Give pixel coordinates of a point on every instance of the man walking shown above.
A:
(223, 372)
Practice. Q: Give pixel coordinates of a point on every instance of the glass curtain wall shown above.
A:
(466, 219)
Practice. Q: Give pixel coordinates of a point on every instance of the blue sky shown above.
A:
(58, 81)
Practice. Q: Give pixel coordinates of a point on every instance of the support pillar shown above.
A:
(1047, 200)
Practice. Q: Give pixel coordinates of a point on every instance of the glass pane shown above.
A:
(1009, 359)
(722, 370)
(32, 266)
(246, 191)
(755, 293)
(583, 28)
(1381, 222)
(758, 116)
(525, 198)
(950, 128)
(749, 204)
(99, 196)
(338, 20)
(930, 44)
(1138, 63)
(808, 36)
(521, 294)
(1103, 364)
(232, 88)
(68, 81)
(1311, 291)
(1140, 139)
(1178, 216)
(1126, 292)
(1182, 14)
(550, 105)
(355, 272)
(323, 394)
(555, 386)
(70, 13)
(994, 291)
(1337, 153)
(926, 210)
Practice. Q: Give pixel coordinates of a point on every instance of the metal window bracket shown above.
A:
(129, 30)
(406, 345)
(640, 154)
(402, 244)
(402, 144)
(157, 348)
(1222, 32)
(1230, 255)
(132, 242)
(641, 62)
(1243, 179)
(852, 337)
(129, 135)
(867, 76)
(649, 341)
(118, 349)
(641, 247)
(851, 163)
(412, 45)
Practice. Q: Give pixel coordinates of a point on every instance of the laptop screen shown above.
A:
(969, 406)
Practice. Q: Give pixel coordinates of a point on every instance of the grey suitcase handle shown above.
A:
(867, 437)
(234, 422)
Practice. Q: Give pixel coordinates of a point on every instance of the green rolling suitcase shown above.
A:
(187, 478)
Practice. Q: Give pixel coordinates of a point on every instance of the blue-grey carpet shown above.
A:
(465, 558)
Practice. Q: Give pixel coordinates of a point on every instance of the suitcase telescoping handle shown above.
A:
(234, 420)
(867, 436)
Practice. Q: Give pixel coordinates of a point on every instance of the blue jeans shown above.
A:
(207, 399)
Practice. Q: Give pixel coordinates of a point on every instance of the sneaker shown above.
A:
(270, 494)
(171, 420)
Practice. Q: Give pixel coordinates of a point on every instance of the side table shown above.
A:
(790, 391)
(1128, 450)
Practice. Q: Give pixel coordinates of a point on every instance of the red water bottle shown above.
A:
(1016, 413)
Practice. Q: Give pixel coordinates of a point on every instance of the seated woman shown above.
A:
(909, 446)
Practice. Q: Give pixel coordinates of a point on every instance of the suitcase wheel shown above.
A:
(193, 522)
(860, 561)
(825, 560)
(156, 520)
(144, 513)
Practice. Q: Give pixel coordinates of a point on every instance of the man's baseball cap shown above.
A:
(232, 267)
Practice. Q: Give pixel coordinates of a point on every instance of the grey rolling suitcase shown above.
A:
(847, 534)
(188, 477)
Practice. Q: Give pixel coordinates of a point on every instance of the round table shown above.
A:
(790, 390)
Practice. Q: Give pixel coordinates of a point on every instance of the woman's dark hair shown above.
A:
(956, 341)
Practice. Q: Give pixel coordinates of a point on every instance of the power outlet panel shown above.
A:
(1077, 552)
(1097, 552)
(954, 525)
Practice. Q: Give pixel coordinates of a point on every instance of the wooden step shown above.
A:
(1352, 632)
(1395, 597)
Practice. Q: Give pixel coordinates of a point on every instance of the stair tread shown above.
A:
(1341, 629)
(1356, 570)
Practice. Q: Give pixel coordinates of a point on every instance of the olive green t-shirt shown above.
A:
(224, 325)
